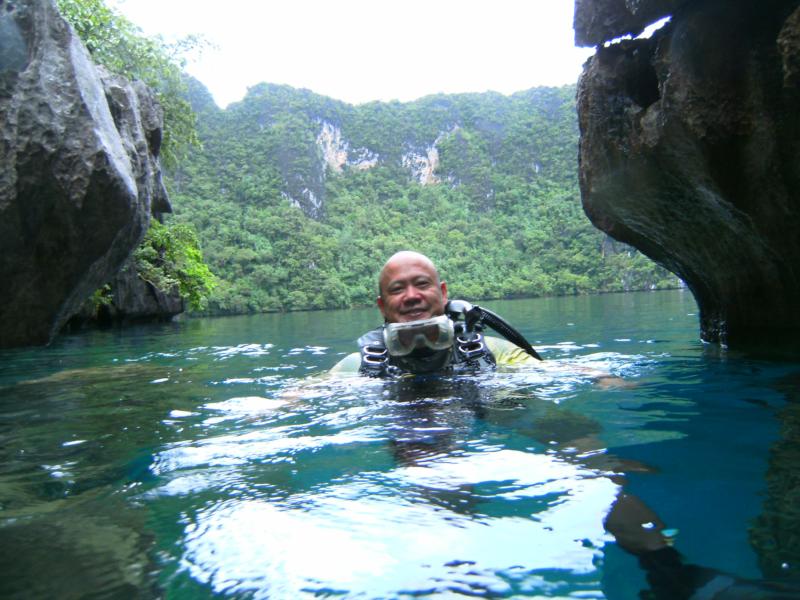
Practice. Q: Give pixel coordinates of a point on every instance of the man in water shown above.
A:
(414, 340)
(418, 335)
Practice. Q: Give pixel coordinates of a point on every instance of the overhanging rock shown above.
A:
(599, 21)
(690, 151)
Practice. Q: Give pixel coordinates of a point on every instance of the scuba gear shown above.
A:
(403, 338)
(475, 316)
(466, 354)
(418, 347)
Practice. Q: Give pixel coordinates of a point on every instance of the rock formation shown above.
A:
(138, 300)
(129, 299)
(690, 151)
(79, 174)
(600, 21)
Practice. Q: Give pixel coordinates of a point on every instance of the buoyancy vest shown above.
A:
(468, 354)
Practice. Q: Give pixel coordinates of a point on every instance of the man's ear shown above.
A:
(444, 291)
(380, 305)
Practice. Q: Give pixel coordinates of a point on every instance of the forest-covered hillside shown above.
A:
(298, 199)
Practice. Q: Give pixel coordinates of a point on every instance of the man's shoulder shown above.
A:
(507, 353)
(348, 365)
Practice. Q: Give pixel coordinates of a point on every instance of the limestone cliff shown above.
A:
(79, 172)
(689, 151)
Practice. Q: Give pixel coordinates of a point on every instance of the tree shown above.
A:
(121, 47)
(170, 257)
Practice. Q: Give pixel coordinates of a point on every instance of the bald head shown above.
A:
(405, 257)
(410, 288)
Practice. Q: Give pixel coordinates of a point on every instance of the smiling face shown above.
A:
(410, 289)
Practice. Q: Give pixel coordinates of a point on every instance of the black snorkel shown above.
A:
(475, 317)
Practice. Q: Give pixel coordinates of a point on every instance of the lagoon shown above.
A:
(206, 458)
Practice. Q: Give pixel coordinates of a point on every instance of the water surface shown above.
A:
(207, 458)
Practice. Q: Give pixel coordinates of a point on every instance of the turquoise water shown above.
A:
(206, 458)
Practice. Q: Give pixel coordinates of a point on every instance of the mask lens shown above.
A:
(404, 338)
(432, 333)
(414, 338)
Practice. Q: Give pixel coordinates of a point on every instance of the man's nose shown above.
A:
(412, 295)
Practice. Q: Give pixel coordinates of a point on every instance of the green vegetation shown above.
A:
(502, 217)
(99, 299)
(170, 257)
(483, 183)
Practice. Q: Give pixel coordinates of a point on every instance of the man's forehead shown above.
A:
(408, 267)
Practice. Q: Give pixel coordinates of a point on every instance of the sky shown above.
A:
(364, 50)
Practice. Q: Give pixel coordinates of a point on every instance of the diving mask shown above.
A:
(403, 338)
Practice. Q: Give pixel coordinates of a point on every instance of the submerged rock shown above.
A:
(79, 172)
(690, 151)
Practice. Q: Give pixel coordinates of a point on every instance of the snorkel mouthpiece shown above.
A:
(402, 339)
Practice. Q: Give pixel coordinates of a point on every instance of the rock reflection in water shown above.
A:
(776, 532)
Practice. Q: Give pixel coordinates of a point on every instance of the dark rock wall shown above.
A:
(690, 151)
(129, 299)
(79, 174)
(599, 21)
(135, 299)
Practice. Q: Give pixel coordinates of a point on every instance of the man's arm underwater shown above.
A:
(512, 357)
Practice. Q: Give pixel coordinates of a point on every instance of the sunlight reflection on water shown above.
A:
(328, 540)
(204, 454)
(392, 487)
